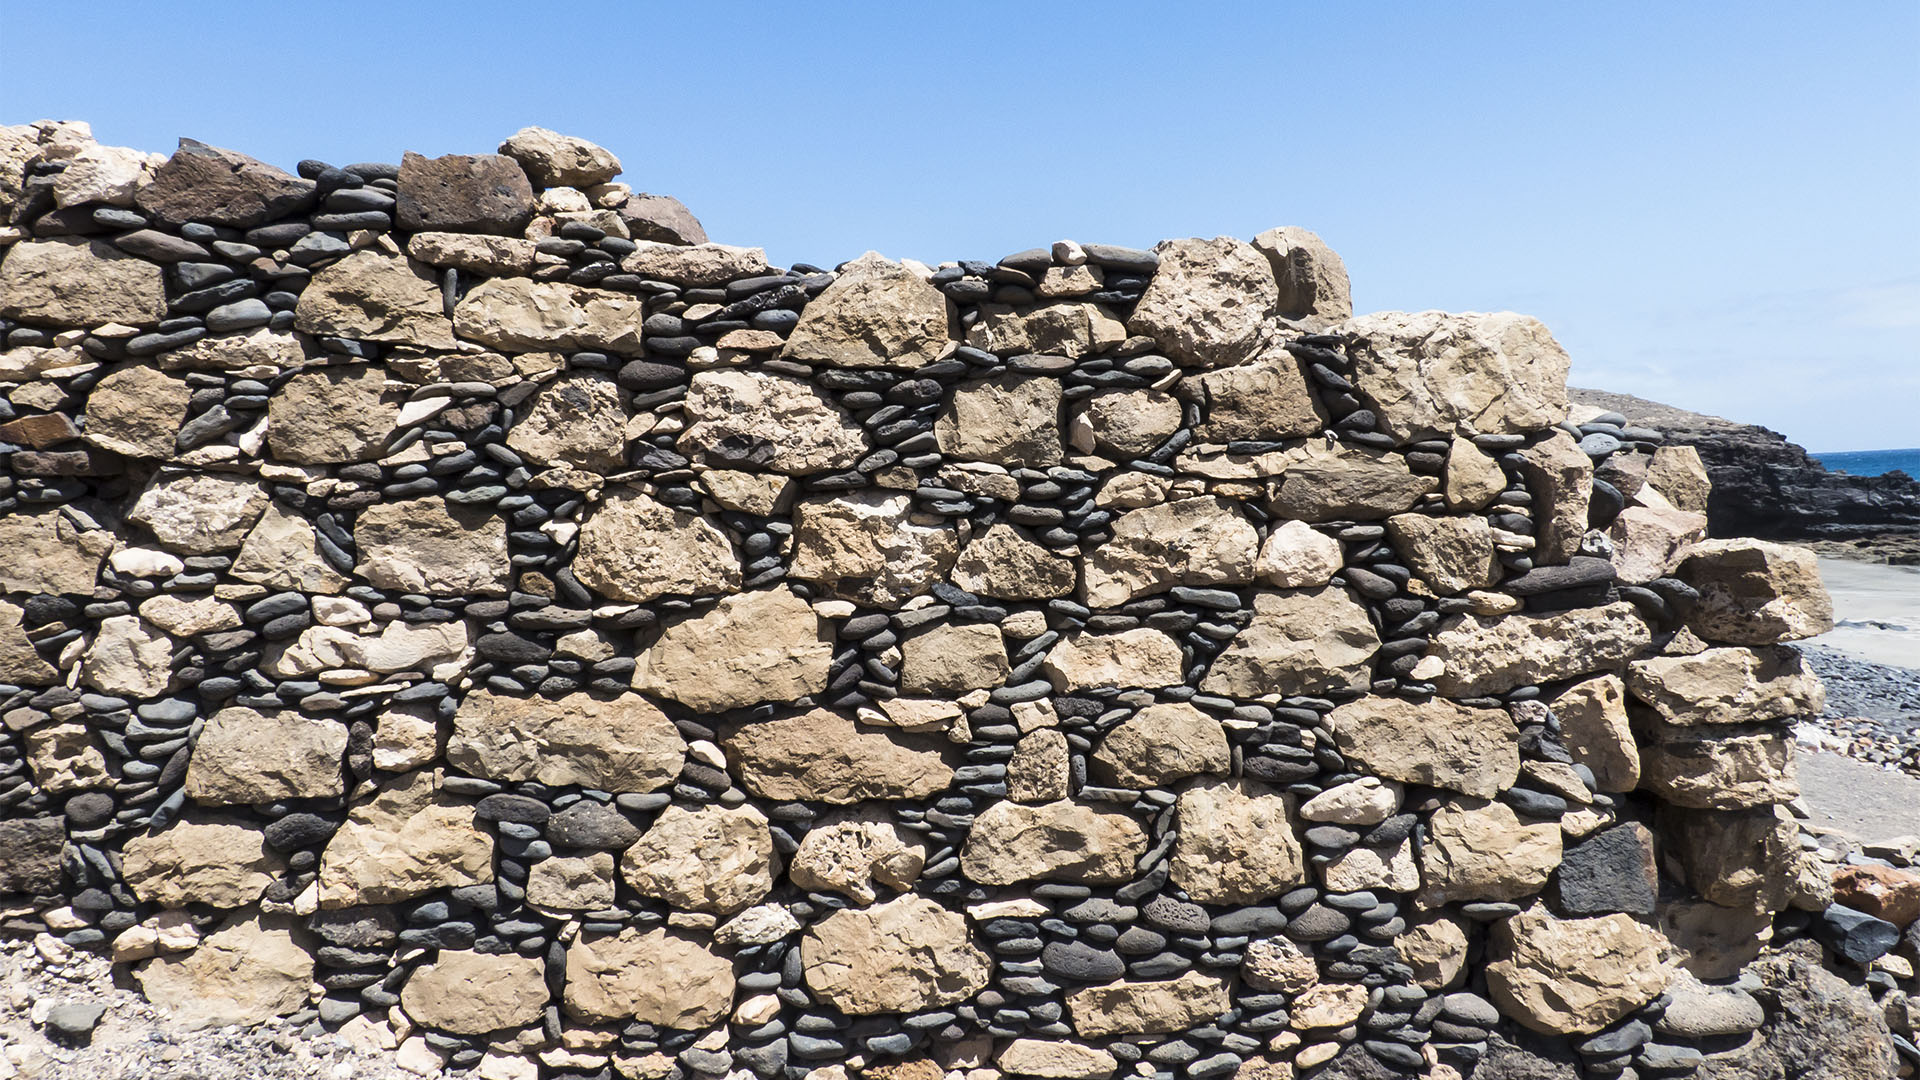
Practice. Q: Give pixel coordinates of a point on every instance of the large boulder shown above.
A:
(739, 417)
(1491, 655)
(823, 756)
(633, 547)
(1728, 686)
(1438, 743)
(1011, 420)
(1723, 767)
(1300, 641)
(482, 193)
(1201, 541)
(1058, 841)
(578, 420)
(867, 547)
(1480, 850)
(248, 972)
(1148, 1007)
(716, 859)
(405, 840)
(375, 297)
(1347, 483)
(905, 955)
(1649, 540)
(658, 977)
(331, 415)
(1574, 976)
(1207, 303)
(555, 160)
(471, 993)
(222, 187)
(1755, 592)
(622, 745)
(1433, 373)
(877, 313)
(1236, 844)
(246, 757)
(428, 545)
(766, 645)
(74, 282)
(519, 315)
(1821, 1028)
(661, 219)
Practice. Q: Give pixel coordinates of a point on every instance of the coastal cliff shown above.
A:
(1765, 486)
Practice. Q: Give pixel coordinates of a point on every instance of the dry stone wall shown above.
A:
(456, 603)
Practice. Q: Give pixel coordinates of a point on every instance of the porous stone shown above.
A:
(198, 513)
(375, 297)
(774, 422)
(1004, 564)
(248, 972)
(1574, 976)
(334, 414)
(849, 853)
(1594, 724)
(1439, 743)
(1743, 859)
(623, 745)
(70, 281)
(281, 552)
(428, 545)
(221, 187)
(877, 313)
(518, 315)
(662, 977)
(1010, 420)
(1207, 302)
(1264, 398)
(1311, 278)
(1366, 801)
(700, 265)
(578, 420)
(1040, 769)
(1559, 477)
(1067, 328)
(716, 859)
(572, 883)
(766, 645)
(1056, 1059)
(1727, 686)
(1612, 870)
(1125, 423)
(1236, 843)
(1479, 850)
(1161, 744)
(1649, 540)
(1129, 658)
(823, 756)
(1347, 484)
(263, 347)
(137, 411)
(128, 656)
(953, 658)
(495, 256)
(63, 758)
(208, 860)
(633, 547)
(471, 993)
(245, 756)
(1304, 641)
(1295, 555)
(1715, 769)
(555, 160)
(1202, 541)
(1328, 1005)
(866, 547)
(1678, 474)
(1436, 949)
(405, 840)
(1147, 1007)
(48, 553)
(1058, 841)
(904, 955)
(483, 193)
(1491, 655)
(1451, 554)
(1433, 373)
(1277, 963)
(1755, 592)
(1884, 892)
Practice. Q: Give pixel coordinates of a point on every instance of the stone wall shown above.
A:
(454, 603)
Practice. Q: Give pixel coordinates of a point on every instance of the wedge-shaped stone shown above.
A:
(1058, 841)
(137, 411)
(1480, 850)
(1133, 1007)
(1559, 478)
(199, 513)
(877, 313)
(406, 840)
(1348, 484)
(579, 419)
(335, 414)
(742, 418)
(1161, 744)
(215, 186)
(1720, 767)
(1236, 844)
(472, 993)
(48, 553)
(375, 297)
(1648, 540)
(1678, 474)
(200, 860)
(1011, 420)
(1574, 976)
(622, 745)
(1595, 728)
(662, 977)
(20, 663)
(1728, 686)
(633, 547)
(1754, 592)
(1451, 554)
(905, 955)
(1491, 655)
(246, 757)
(555, 160)
(72, 282)
(1436, 742)
(431, 546)
(1208, 301)
(1004, 564)
(1473, 478)
(282, 552)
(1304, 641)
(750, 647)
(866, 547)
(823, 756)
(1203, 541)
(248, 972)
(1435, 373)
(716, 859)
(1141, 657)
(1311, 276)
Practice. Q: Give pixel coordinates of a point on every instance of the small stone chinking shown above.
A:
(455, 604)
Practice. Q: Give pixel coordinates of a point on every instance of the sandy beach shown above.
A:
(1876, 612)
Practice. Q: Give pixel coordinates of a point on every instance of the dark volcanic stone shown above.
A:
(73, 1022)
(1075, 960)
(89, 809)
(220, 187)
(296, 831)
(514, 808)
(1611, 871)
(485, 193)
(1526, 1057)
(1855, 935)
(30, 855)
(1581, 570)
(592, 825)
(662, 219)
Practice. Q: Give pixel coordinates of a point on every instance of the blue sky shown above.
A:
(1715, 205)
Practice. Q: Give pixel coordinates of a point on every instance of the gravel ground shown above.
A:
(1873, 710)
(133, 1042)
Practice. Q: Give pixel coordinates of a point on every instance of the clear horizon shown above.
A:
(1714, 212)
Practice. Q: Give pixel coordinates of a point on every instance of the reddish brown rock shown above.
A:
(220, 187)
(485, 193)
(1885, 892)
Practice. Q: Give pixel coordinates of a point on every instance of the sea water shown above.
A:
(1873, 462)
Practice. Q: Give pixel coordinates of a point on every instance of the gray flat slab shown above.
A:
(1862, 802)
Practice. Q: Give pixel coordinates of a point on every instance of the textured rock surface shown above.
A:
(249, 757)
(1755, 593)
(408, 839)
(1236, 844)
(1207, 302)
(1348, 484)
(577, 420)
(1560, 976)
(625, 744)
(868, 549)
(1161, 744)
(247, 972)
(1190, 542)
(1433, 373)
(657, 977)
(1489, 655)
(713, 859)
(1727, 686)
(1439, 743)
(472, 993)
(900, 956)
(1299, 642)
(375, 297)
(215, 861)
(876, 313)
(823, 755)
(1060, 841)
(1147, 1007)
(633, 547)
(1477, 850)
(751, 647)
(429, 545)
(782, 423)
